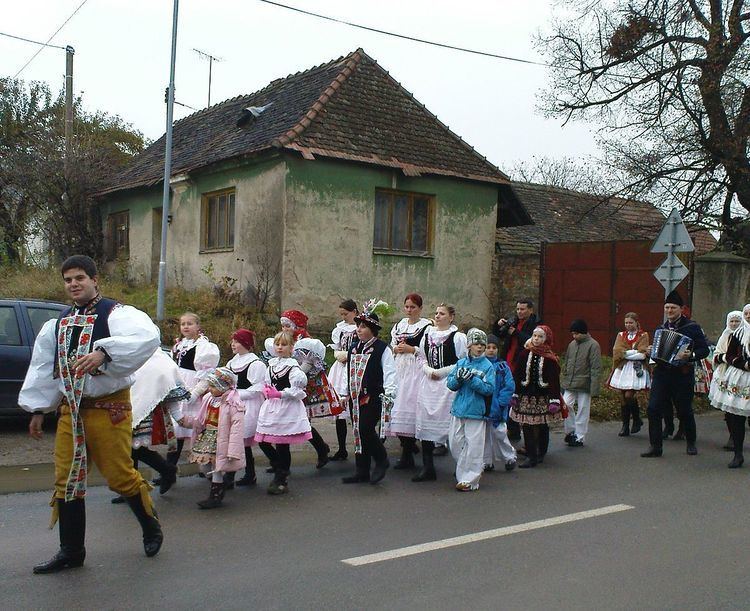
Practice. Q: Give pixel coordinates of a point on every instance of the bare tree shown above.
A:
(669, 81)
(586, 174)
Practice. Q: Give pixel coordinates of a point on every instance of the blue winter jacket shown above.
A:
(504, 389)
(474, 396)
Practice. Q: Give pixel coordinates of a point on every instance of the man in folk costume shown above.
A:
(372, 387)
(84, 364)
(675, 383)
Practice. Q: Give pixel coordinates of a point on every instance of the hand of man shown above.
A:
(35, 426)
(685, 354)
(90, 362)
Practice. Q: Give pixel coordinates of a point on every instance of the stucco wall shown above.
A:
(259, 204)
(328, 251)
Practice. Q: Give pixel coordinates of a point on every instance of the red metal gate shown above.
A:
(600, 282)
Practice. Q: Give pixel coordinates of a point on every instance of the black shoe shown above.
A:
(529, 463)
(167, 480)
(624, 431)
(406, 461)
(427, 474)
(246, 480)
(679, 435)
(488, 468)
(118, 500)
(575, 443)
(691, 450)
(569, 437)
(278, 487)
(378, 471)
(339, 456)
(64, 559)
(510, 465)
(357, 478)
(652, 453)
(637, 424)
(737, 461)
(322, 461)
(152, 535)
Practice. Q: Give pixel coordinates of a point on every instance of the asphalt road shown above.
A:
(683, 545)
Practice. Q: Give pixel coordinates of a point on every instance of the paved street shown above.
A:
(682, 545)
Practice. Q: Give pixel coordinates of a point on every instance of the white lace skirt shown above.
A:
(625, 378)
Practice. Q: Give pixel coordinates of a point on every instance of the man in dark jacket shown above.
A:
(514, 333)
(675, 382)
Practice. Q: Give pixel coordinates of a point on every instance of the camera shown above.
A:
(510, 321)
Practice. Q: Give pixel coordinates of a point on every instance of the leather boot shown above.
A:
(249, 478)
(407, 454)
(229, 480)
(427, 474)
(72, 525)
(362, 472)
(321, 448)
(636, 413)
(152, 535)
(625, 417)
(215, 495)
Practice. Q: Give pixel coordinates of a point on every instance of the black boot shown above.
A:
(427, 474)
(152, 535)
(229, 480)
(341, 454)
(625, 417)
(635, 411)
(249, 478)
(531, 439)
(407, 454)
(737, 461)
(215, 496)
(362, 473)
(72, 517)
(321, 448)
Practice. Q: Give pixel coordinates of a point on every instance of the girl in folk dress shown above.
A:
(732, 393)
(734, 321)
(406, 336)
(441, 348)
(344, 334)
(250, 371)
(629, 372)
(195, 355)
(217, 432)
(537, 401)
(283, 416)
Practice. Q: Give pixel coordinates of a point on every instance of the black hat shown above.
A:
(675, 299)
(492, 339)
(579, 326)
(371, 320)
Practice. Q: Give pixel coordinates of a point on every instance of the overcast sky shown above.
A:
(122, 59)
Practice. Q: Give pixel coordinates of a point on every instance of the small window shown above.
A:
(118, 235)
(39, 316)
(217, 220)
(403, 222)
(10, 334)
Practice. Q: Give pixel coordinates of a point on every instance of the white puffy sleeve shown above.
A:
(268, 345)
(133, 338)
(389, 372)
(206, 355)
(394, 334)
(459, 342)
(335, 338)
(298, 382)
(257, 375)
(40, 391)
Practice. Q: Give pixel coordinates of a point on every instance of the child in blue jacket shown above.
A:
(473, 381)
(497, 445)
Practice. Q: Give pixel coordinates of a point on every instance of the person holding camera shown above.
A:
(514, 332)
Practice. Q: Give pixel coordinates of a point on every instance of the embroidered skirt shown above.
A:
(534, 410)
(204, 450)
(626, 377)
(731, 393)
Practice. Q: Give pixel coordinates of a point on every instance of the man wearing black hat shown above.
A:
(372, 379)
(675, 383)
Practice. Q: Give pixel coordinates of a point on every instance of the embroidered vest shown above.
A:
(102, 310)
(186, 360)
(372, 379)
(280, 379)
(442, 355)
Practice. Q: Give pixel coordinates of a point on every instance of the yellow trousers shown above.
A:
(108, 446)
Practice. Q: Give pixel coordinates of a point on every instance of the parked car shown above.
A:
(20, 323)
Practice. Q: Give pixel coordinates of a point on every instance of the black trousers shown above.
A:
(372, 446)
(671, 386)
(280, 456)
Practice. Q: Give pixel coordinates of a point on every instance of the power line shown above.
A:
(43, 44)
(31, 59)
(403, 36)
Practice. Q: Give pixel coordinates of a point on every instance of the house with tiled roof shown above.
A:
(333, 182)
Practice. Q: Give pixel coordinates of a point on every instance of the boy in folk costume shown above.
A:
(218, 429)
(496, 444)
(84, 364)
(473, 381)
(372, 387)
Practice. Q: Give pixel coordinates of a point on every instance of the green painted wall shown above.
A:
(329, 256)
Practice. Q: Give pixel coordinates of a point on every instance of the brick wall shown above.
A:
(514, 276)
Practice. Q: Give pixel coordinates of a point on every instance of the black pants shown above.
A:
(280, 456)
(671, 386)
(372, 446)
(174, 457)
(736, 425)
(152, 459)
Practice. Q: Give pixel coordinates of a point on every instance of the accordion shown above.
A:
(667, 345)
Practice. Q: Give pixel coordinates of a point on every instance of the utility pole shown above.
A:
(211, 59)
(69, 52)
(167, 173)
